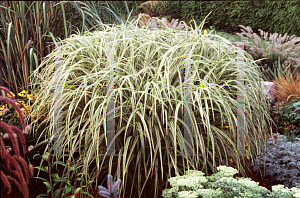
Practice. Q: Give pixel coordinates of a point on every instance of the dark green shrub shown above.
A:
(287, 119)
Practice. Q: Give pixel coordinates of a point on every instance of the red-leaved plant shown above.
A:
(10, 157)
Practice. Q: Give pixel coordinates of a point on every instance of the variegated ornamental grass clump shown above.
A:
(221, 185)
(12, 162)
(287, 48)
(149, 94)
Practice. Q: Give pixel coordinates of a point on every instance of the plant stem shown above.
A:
(49, 171)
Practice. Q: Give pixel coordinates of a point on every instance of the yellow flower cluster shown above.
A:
(22, 94)
(246, 152)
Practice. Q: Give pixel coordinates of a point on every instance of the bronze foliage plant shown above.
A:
(287, 87)
(10, 156)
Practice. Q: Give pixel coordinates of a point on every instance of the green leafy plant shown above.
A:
(221, 185)
(68, 188)
(288, 119)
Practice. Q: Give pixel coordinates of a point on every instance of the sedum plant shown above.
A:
(280, 161)
(13, 167)
(221, 185)
(149, 69)
(273, 49)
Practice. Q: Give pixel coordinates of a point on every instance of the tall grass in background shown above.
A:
(27, 29)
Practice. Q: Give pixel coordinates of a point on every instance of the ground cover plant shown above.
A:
(149, 103)
(281, 161)
(194, 184)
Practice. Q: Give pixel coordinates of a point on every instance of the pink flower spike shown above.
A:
(30, 148)
(31, 170)
(27, 129)
(6, 110)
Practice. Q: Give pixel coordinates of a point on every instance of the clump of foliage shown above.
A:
(12, 163)
(194, 184)
(68, 188)
(270, 50)
(287, 86)
(281, 161)
(288, 119)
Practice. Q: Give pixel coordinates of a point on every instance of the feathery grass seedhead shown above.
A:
(11, 161)
(287, 48)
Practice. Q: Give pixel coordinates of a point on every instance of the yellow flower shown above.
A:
(12, 94)
(36, 95)
(23, 93)
(28, 108)
(2, 107)
(22, 102)
(29, 97)
(33, 116)
(205, 32)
